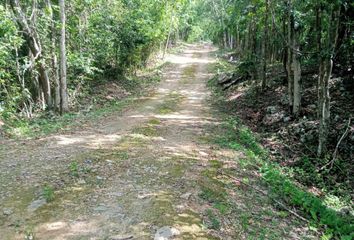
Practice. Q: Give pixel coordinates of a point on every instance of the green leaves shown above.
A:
(10, 41)
(320, 214)
(317, 210)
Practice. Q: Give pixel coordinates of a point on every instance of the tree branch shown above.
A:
(265, 194)
(337, 146)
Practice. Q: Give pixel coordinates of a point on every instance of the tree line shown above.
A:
(51, 49)
(306, 36)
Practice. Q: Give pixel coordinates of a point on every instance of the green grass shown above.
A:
(213, 219)
(315, 208)
(48, 122)
(48, 193)
(74, 169)
(171, 103)
(189, 73)
(154, 121)
(148, 131)
(122, 155)
(282, 186)
(216, 196)
(222, 207)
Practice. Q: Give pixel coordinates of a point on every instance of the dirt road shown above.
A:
(132, 175)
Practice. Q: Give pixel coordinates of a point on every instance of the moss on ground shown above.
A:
(171, 103)
(189, 73)
(148, 131)
(154, 121)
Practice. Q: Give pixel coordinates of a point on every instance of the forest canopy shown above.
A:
(101, 37)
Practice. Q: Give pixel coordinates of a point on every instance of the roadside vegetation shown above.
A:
(285, 79)
(97, 102)
(327, 210)
(70, 58)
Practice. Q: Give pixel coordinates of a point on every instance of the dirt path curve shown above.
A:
(121, 178)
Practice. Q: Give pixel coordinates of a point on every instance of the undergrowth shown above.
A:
(335, 224)
(48, 193)
(319, 211)
(293, 143)
(49, 122)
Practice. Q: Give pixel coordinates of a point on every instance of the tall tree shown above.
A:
(327, 41)
(169, 29)
(296, 70)
(64, 105)
(28, 27)
(54, 60)
(290, 73)
(293, 61)
(265, 46)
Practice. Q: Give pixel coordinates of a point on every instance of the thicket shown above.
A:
(290, 63)
(306, 49)
(320, 213)
(304, 37)
(102, 41)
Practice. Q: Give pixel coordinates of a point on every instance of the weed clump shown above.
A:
(48, 193)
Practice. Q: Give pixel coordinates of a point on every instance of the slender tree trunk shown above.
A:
(64, 105)
(285, 52)
(326, 67)
(18, 71)
(247, 44)
(225, 38)
(325, 103)
(223, 24)
(231, 41)
(264, 48)
(319, 59)
(169, 36)
(238, 43)
(297, 73)
(56, 78)
(290, 57)
(45, 83)
(55, 68)
(272, 54)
